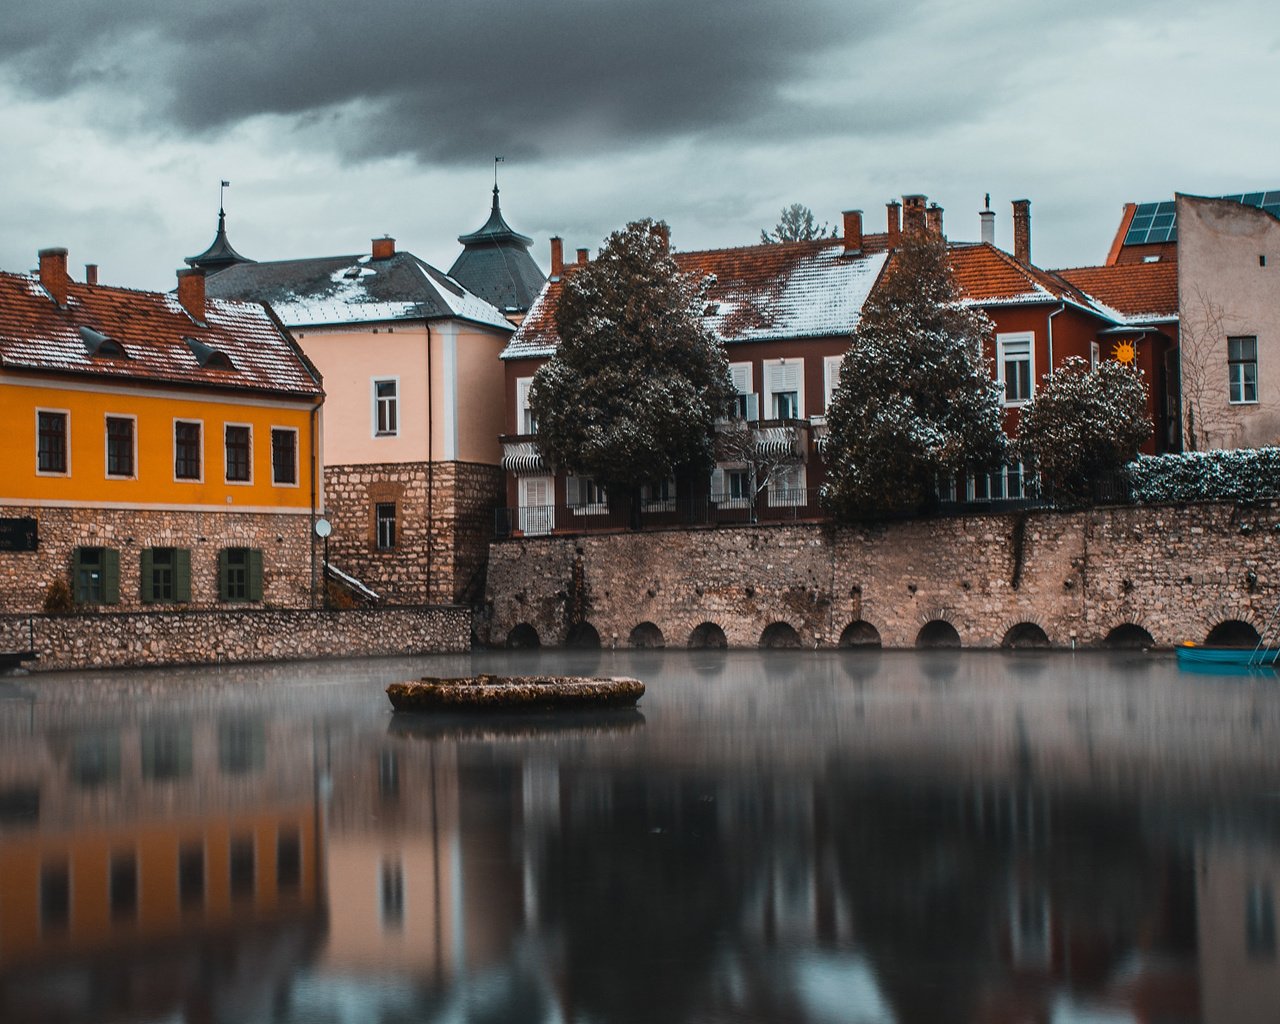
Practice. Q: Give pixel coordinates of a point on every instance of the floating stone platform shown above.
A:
(514, 693)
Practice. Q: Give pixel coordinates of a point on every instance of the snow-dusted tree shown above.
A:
(915, 402)
(1083, 425)
(796, 223)
(633, 391)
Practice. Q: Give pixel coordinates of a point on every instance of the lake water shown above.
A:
(771, 837)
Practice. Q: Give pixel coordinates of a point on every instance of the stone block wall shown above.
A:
(214, 637)
(285, 539)
(444, 521)
(1175, 571)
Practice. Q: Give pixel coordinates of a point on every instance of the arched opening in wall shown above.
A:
(583, 637)
(1025, 636)
(708, 635)
(938, 633)
(1128, 636)
(1232, 633)
(646, 635)
(860, 634)
(778, 635)
(523, 635)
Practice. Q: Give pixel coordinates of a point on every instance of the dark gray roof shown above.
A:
(496, 265)
(353, 289)
(219, 255)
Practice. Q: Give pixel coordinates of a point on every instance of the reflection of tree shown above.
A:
(640, 878)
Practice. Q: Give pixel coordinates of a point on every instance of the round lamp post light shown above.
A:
(323, 529)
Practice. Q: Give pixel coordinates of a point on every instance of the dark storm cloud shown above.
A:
(447, 81)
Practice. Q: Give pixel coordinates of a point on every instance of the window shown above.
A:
(658, 496)
(237, 439)
(1095, 355)
(95, 575)
(830, 379)
(166, 575)
(284, 456)
(745, 404)
(120, 446)
(51, 442)
(240, 574)
(386, 408)
(731, 486)
(384, 522)
(186, 450)
(537, 509)
(784, 388)
(787, 487)
(1015, 366)
(1242, 370)
(1006, 482)
(584, 496)
(526, 422)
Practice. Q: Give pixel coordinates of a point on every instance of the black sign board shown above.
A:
(18, 535)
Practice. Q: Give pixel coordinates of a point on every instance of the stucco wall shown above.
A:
(1174, 571)
(196, 638)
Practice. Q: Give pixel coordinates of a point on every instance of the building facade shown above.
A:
(160, 450)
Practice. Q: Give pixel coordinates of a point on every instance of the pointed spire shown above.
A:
(495, 262)
(220, 254)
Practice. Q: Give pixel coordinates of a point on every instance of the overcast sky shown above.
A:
(336, 122)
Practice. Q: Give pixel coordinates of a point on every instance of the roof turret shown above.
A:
(219, 255)
(495, 264)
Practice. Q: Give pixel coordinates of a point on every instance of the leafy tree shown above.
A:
(1083, 425)
(796, 223)
(632, 394)
(915, 401)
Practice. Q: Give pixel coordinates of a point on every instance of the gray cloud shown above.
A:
(446, 81)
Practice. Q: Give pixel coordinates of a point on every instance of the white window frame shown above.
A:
(722, 493)
(1004, 342)
(173, 456)
(542, 521)
(524, 415)
(830, 380)
(1095, 355)
(1235, 386)
(237, 483)
(393, 402)
(106, 446)
(664, 503)
(66, 442)
(792, 480)
(1003, 475)
(771, 368)
(596, 501)
(297, 457)
(743, 376)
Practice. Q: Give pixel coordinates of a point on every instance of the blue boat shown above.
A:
(1227, 657)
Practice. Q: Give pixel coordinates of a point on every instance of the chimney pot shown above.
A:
(191, 291)
(53, 273)
(913, 214)
(557, 256)
(987, 219)
(584, 255)
(1022, 230)
(852, 231)
(933, 219)
(91, 273)
(384, 248)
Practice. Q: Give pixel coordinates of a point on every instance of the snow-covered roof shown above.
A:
(1135, 293)
(354, 289)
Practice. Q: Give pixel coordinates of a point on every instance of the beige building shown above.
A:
(1228, 253)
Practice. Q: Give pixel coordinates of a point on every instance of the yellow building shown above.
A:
(155, 450)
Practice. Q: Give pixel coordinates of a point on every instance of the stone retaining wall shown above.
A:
(122, 640)
(1174, 571)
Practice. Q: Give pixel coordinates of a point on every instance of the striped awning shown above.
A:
(523, 457)
(776, 442)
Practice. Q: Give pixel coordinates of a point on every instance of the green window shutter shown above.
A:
(181, 574)
(77, 562)
(255, 574)
(148, 576)
(110, 576)
(224, 581)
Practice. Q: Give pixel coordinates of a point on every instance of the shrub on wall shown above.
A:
(1237, 474)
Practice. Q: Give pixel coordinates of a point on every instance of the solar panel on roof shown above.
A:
(1157, 222)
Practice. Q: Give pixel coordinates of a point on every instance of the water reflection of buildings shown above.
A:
(155, 867)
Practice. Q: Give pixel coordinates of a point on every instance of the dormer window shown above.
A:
(98, 344)
(209, 357)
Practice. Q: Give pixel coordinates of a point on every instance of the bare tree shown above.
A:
(1202, 370)
(761, 451)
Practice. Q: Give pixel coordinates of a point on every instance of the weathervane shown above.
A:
(497, 160)
(225, 185)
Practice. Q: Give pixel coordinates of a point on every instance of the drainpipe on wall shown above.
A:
(1050, 336)
(431, 454)
(313, 465)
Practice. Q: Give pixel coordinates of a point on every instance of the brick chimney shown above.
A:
(913, 214)
(933, 219)
(663, 232)
(895, 222)
(584, 256)
(1022, 229)
(191, 291)
(852, 231)
(53, 274)
(91, 273)
(557, 256)
(384, 248)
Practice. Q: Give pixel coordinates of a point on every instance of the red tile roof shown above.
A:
(1138, 291)
(152, 328)
(987, 275)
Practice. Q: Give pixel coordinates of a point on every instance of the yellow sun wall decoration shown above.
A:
(1125, 352)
